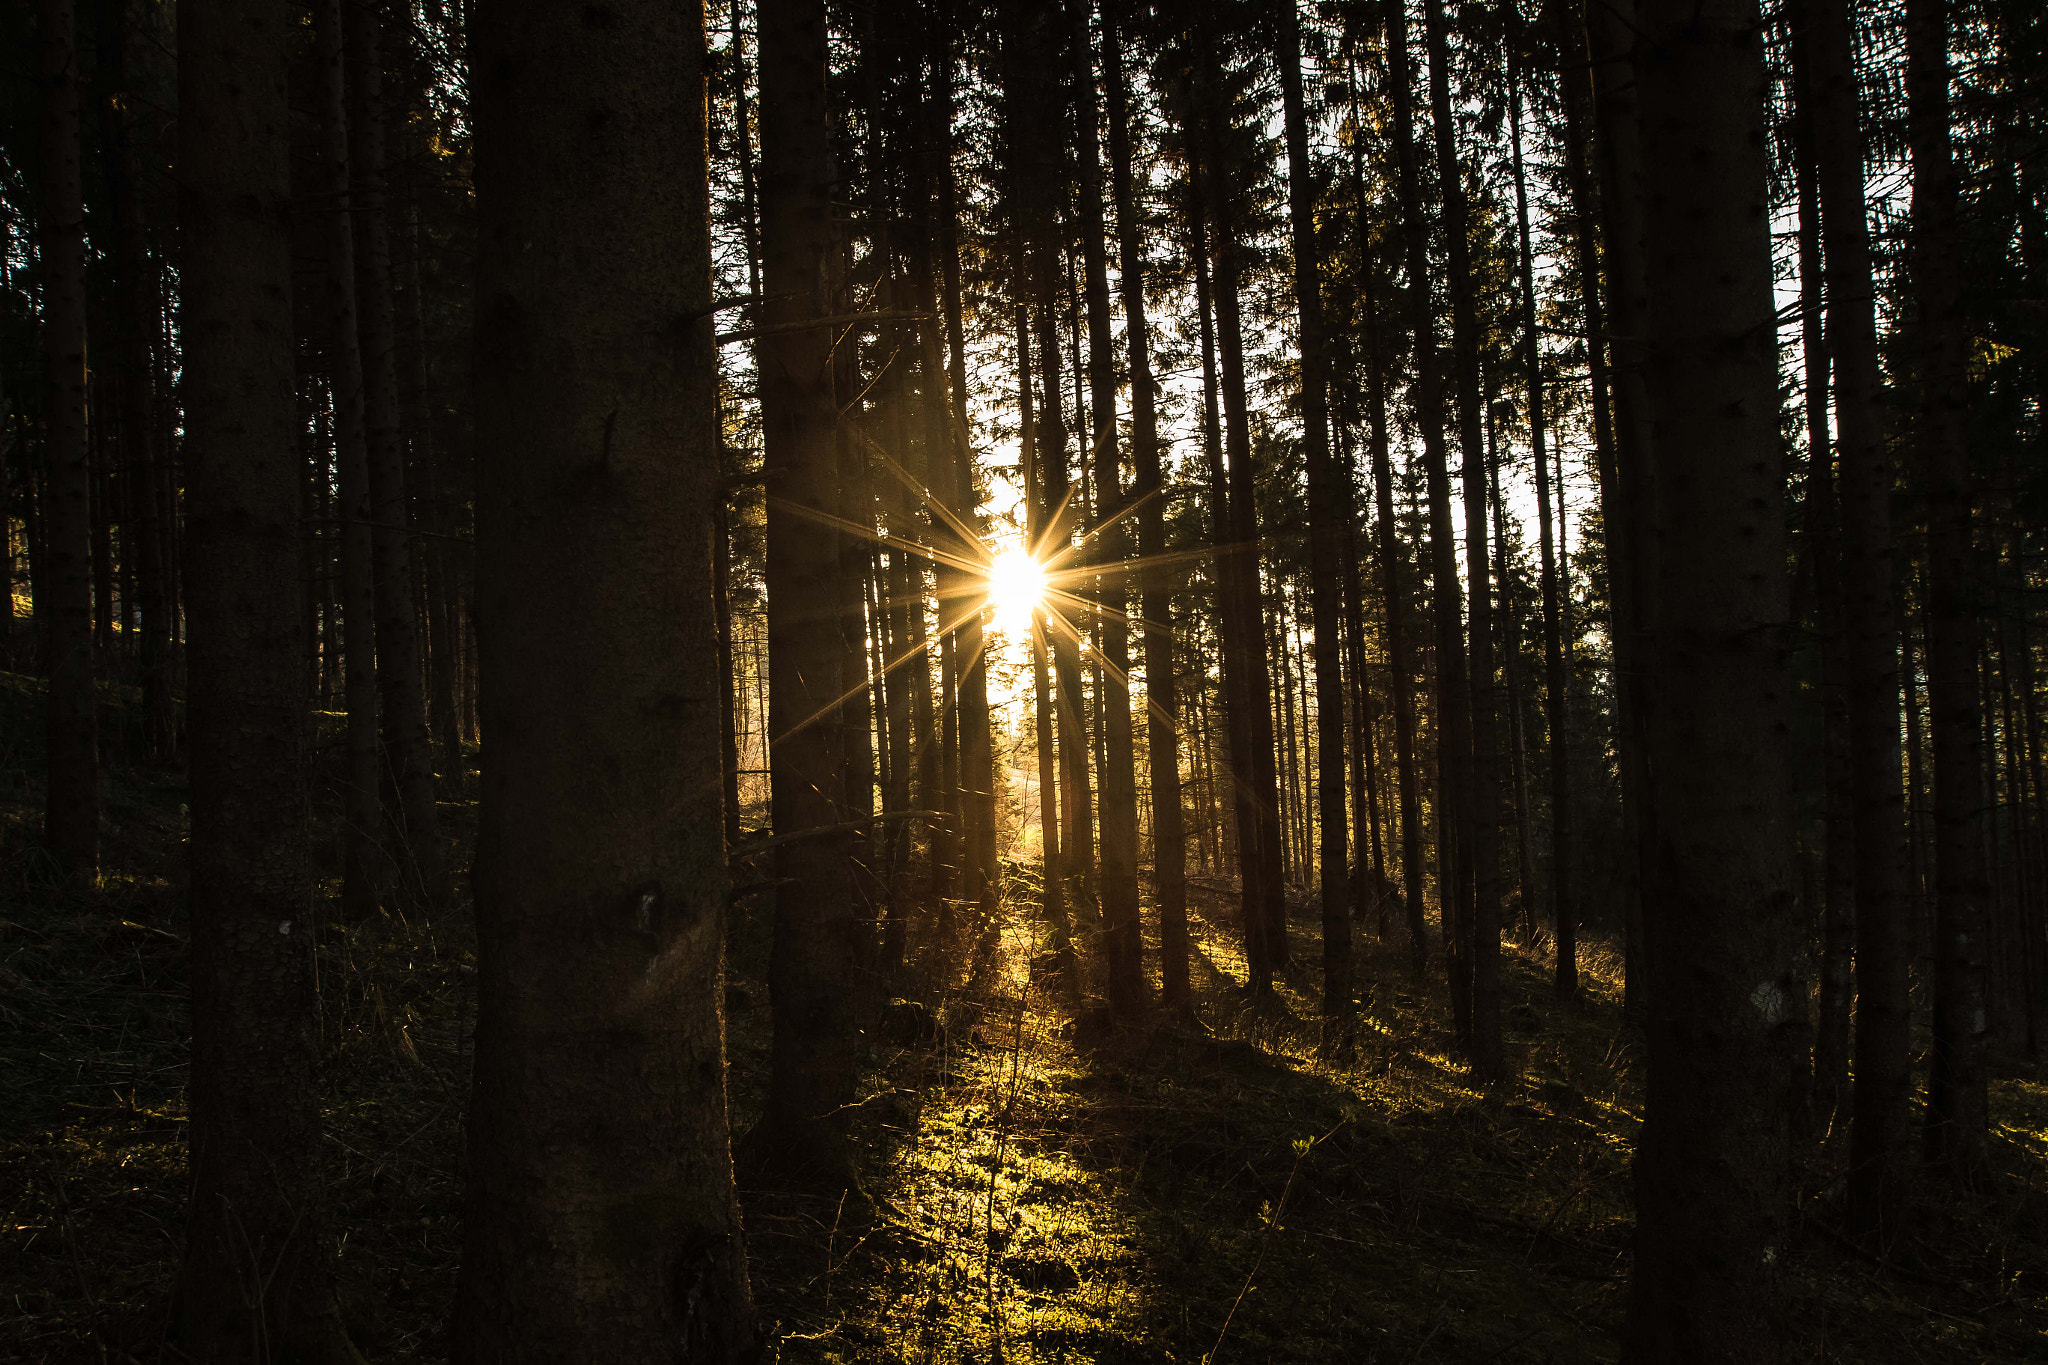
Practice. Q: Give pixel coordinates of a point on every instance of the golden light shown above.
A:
(1016, 587)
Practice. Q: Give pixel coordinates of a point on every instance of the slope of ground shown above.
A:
(1037, 1188)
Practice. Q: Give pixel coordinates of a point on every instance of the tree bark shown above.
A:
(1883, 1089)
(408, 763)
(1564, 911)
(817, 928)
(71, 813)
(257, 1282)
(1725, 1024)
(1617, 119)
(600, 1221)
(1329, 512)
(1162, 698)
(362, 819)
(1957, 1107)
(1838, 887)
(1123, 941)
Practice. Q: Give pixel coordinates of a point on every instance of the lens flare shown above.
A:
(1016, 587)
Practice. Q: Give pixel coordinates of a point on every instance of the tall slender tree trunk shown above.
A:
(1957, 1105)
(1726, 1026)
(1452, 805)
(71, 814)
(1838, 886)
(1393, 590)
(362, 820)
(1623, 211)
(1163, 707)
(408, 766)
(1053, 897)
(257, 1281)
(1256, 774)
(817, 928)
(1329, 513)
(136, 306)
(1883, 1087)
(1564, 914)
(1123, 941)
(601, 1222)
(1481, 938)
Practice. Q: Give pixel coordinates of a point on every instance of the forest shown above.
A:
(1024, 680)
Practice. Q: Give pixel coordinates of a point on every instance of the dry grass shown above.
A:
(1038, 1189)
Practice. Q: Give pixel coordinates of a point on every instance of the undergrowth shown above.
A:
(1037, 1186)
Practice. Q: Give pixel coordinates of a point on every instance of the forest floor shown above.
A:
(1037, 1188)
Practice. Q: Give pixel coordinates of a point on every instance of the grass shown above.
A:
(1037, 1188)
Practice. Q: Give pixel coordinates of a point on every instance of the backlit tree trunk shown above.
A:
(1726, 1024)
(257, 1281)
(600, 1222)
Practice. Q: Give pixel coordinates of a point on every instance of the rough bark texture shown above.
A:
(1957, 1118)
(71, 816)
(1879, 1106)
(257, 1280)
(1329, 512)
(601, 1223)
(817, 930)
(1725, 1026)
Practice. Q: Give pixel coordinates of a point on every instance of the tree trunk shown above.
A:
(258, 1195)
(1329, 513)
(1622, 212)
(1256, 773)
(1883, 1089)
(818, 933)
(362, 820)
(136, 306)
(1452, 805)
(1725, 1026)
(1163, 709)
(600, 1222)
(1838, 887)
(1564, 910)
(1122, 939)
(1957, 1117)
(71, 814)
(408, 764)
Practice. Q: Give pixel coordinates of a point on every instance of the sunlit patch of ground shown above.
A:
(1037, 1188)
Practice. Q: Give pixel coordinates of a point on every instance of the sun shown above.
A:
(1016, 587)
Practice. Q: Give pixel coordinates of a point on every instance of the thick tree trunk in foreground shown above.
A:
(257, 1282)
(1957, 1119)
(1329, 512)
(362, 821)
(600, 1222)
(1883, 1091)
(818, 934)
(1726, 1023)
(63, 572)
